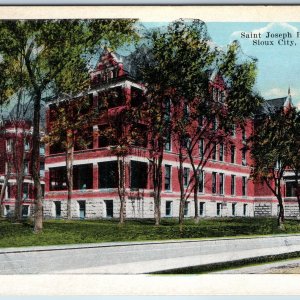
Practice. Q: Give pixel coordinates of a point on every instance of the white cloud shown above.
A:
(282, 92)
(271, 27)
(275, 93)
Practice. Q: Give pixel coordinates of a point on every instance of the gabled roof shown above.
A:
(276, 104)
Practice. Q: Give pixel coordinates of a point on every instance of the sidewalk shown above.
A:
(141, 257)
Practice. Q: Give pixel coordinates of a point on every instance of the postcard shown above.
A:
(150, 150)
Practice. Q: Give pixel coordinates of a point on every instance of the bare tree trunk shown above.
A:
(19, 166)
(280, 220)
(38, 203)
(69, 164)
(196, 182)
(157, 187)
(182, 198)
(121, 189)
(20, 179)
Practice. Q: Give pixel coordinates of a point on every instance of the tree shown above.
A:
(71, 128)
(54, 53)
(12, 89)
(292, 148)
(121, 133)
(270, 145)
(182, 102)
(175, 68)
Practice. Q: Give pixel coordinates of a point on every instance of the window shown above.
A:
(232, 185)
(58, 179)
(201, 148)
(83, 177)
(233, 209)
(219, 93)
(214, 183)
(84, 139)
(232, 131)
(25, 190)
(91, 98)
(221, 152)
(168, 208)
(26, 145)
(244, 162)
(186, 208)
(214, 123)
(219, 209)
(43, 190)
(9, 145)
(221, 183)
(245, 209)
(244, 135)
(167, 177)
(26, 167)
(201, 182)
(167, 111)
(291, 189)
(168, 141)
(138, 175)
(109, 208)
(106, 138)
(214, 151)
(214, 94)
(200, 121)
(186, 172)
(136, 97)
(201, 208)
(186, 142)
(115, 97)
(232, 154)
(42, 169)
(222, 97)
(57, 148)
(186, 112)
(25, 211)
(57, 206)
(6, 210)
(9, 191)
(81, 205)
(139, 135)
(108, 174)
(244, 186)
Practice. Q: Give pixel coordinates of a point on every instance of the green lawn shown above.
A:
(68, 232)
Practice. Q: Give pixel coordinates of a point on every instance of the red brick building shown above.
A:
(225, 188)
(15, 154)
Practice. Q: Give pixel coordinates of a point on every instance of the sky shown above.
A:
(278, 65)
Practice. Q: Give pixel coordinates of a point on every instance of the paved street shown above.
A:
(139, 257)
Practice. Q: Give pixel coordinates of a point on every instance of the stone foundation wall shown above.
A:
(95, 208)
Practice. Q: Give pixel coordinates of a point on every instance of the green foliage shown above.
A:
(240, 76)
(56, 52)
(273, 143)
